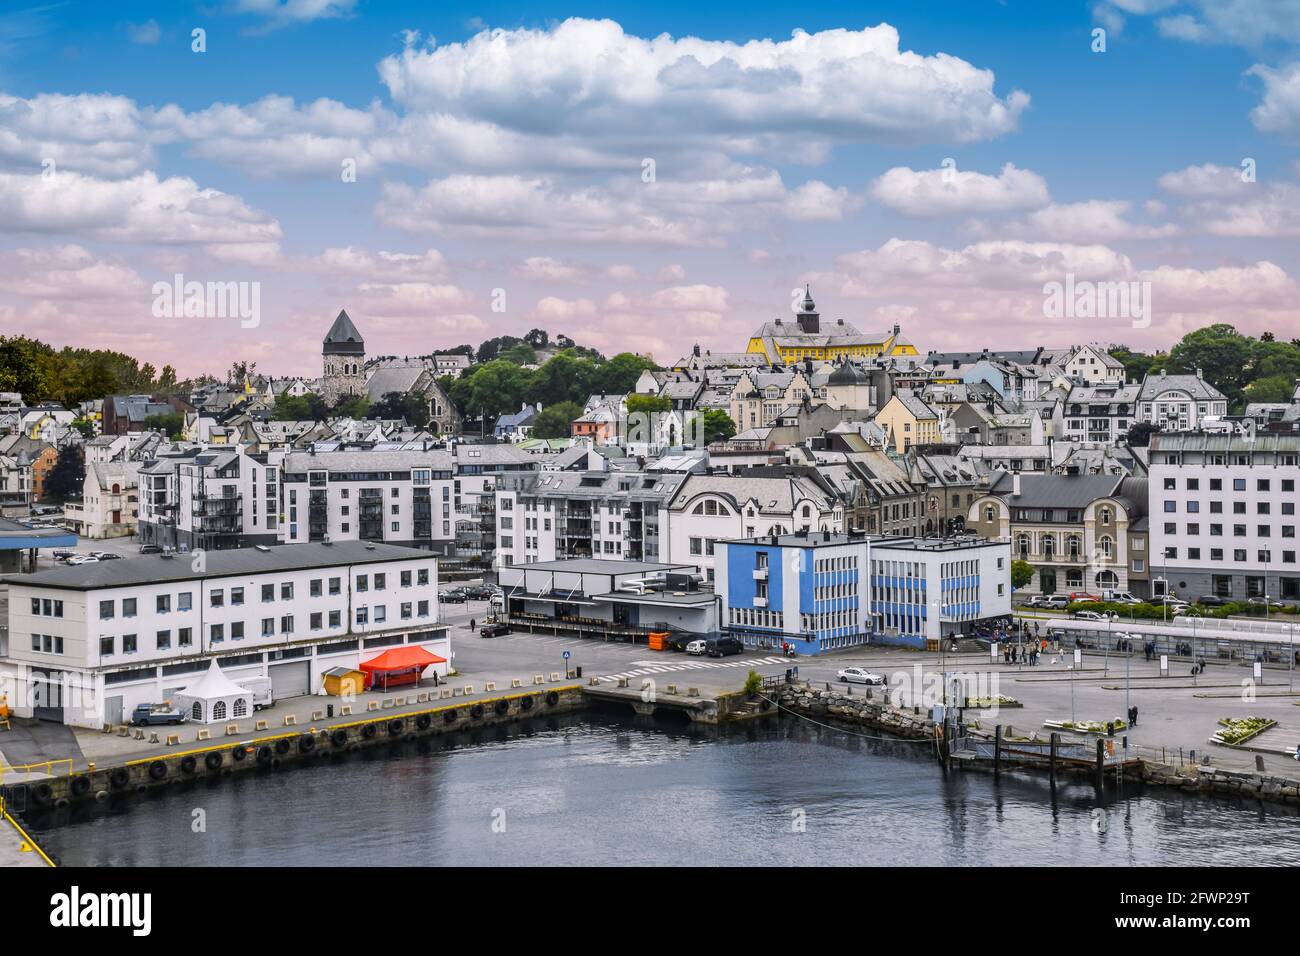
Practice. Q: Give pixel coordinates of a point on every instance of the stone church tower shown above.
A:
(344, 356)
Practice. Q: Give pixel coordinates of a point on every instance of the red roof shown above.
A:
(402, 658)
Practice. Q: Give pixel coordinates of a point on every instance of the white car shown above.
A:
(696, 648)
(1088, 616)
(84, 559)
(856, 675)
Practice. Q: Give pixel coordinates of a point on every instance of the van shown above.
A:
(1119, 597)
(723, 646)
(260, 688)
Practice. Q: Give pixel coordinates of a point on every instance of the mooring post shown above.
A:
(1101, 764)
(1051, 761)
(997, 750)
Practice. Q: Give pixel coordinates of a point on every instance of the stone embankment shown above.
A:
(873, 712)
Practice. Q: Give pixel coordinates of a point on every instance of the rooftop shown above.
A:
(239, 562)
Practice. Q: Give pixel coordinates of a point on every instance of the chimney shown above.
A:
(1198, 374)
(696, 350)
(1015, 484)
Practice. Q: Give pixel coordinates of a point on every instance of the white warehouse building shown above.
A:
(86, 644)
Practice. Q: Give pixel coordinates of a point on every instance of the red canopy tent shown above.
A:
(398, 666)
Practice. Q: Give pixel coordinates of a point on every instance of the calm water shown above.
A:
(600, 789)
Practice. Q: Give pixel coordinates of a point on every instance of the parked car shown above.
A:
(1089, 616)
(477, 592)
(83, 559)
(696, 648)
(146, 714)
(151, 549)
(1212, 600)
(1082, 596)
(1261, 602)
(452, 597)
(106, 555)
(494, 630)
(856, 675)
(677, 641)
(1055, 602)
(1119, 597)
(497, 600)
(724, 646)
(62, 554)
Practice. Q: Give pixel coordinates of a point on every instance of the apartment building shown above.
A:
(706, 509)
(555, 515)
(399, 497)
(211, 498)
(479, 469)
(86, 644)
(1073, 530)
(1098, 412)
(1223, 515)
(1179, 403)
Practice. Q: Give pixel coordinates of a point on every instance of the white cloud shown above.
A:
(1095, 220)
(671, 273)
(147, 33)
(142, 209)
(87, 132)
(1279, 111)
(278, 13)
(1242, 22)
(589, 77)
(951, 192)
(1205, 181)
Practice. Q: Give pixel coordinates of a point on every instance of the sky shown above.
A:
(642, 177)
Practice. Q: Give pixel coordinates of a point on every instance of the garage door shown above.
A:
(290, 680)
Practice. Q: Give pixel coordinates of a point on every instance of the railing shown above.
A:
(32, 767)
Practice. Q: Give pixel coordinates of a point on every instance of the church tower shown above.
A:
(344, 356)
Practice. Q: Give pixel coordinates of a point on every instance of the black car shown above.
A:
(494, 630)
(452, 597)
(723, 647)
(1211, 600)
(678, 641)
(477, 592)
(151, 549)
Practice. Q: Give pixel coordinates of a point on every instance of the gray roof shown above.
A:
(343, 337)
(1056, 491)
(1153, 386)
(599, 566)
(239, 562)
(392, 379)
(352, 461)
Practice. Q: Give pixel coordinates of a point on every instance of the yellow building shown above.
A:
(785, 343)
(908, 421)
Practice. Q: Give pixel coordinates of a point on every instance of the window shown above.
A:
(406, 611)
(380, 581)
(268, 593)
(335, 585)
(217, 633)
(268, 626)
(422, 577)
(163, 603)
(336, 618)
(317, 619)
(406, 579)
(236, 597)
(363, 615)
(105, 610)
(1239, 484)
(286, 624)
(128, 607)
(237, 630)
(286, 591)
(184, 601)
(315, 589)
(128, 644)
(422, 608)
(363, 582)
(185, 637)
(217, 598)
(106, 646)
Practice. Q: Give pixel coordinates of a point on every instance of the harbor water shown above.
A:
(599, 789)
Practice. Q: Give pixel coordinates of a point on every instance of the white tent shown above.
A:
(214, 698)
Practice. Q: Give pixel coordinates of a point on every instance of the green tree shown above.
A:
(408, 406)
(1139, 434)
(1223, 355)
(1022, 572)
(1274, 388)
(553, 421)
(619, 375)
(68, 476)
(170, 424)
(717, 425)
(648, 404)
(521, 353)
(351, 406)
(300, 408)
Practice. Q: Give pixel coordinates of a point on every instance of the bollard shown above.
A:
(516, 682)
(232, 730)
(539, 679)
(203, 734)
(318, 715)
(399, 702)
(108, 728)
(489, 686)
(692, 692)
(124, 731)
(290, 720)
(593, 681)
(422, 698)
(622, 682)
(345, 710)
(672, 689)
(446, 693)
(372, 705)
(388, 703)
(456, 692)
(139, 734)
(469, 689)
(261, 725)
(173, 739)
(555, 676)
(153, 737)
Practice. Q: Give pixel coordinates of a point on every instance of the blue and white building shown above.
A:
(807, 589)
(825, 591)
(928, 589)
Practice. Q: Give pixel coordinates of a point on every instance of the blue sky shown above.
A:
(515, 165)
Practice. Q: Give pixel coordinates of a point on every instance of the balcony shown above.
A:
(760, 574)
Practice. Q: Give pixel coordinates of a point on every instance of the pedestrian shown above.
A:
(1133, 716)
(1006, 653)
(471, 624)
